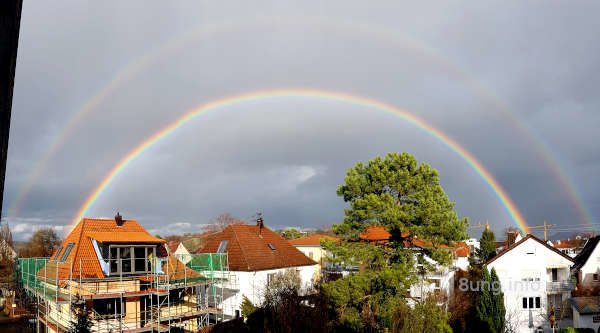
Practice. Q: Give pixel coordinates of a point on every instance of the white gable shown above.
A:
(530, 254)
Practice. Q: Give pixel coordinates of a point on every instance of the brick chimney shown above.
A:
(119, 219)
(260, 224)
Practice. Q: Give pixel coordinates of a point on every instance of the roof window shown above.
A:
(272, 247)
(67, 252)
(222, 246)
(57, 253)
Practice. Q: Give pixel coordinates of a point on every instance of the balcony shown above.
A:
(559, 286)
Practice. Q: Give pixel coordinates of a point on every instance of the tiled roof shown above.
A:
(313, 240)
(375, 234)
(585, 254)
(568, 243)
(586, 305)
(379, 233)
(461, 249)
(247, 250)
(523, 240)
(82, 254)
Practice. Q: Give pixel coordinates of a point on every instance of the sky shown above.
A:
(513, 82)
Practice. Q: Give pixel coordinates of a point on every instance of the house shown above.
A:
(535, 277)
(256, 254)
(587, 265)
(121, 274)
(439, 279)
(473, 244)
(570, 247)
(311, 247)
(179, 251)
(512, 236)
(586, 312)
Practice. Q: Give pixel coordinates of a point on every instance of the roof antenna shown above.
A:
(119, 219)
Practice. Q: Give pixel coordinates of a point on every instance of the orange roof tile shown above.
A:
(313, 240)
(83, 256)
(379, 233)
(247, 250)
(461, 249)
(375, 233)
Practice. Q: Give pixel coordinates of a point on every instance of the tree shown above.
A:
(287, 307)
(487, 246)
(6, 254)
(425, 317)
(403, 196)
(291, 233)
(82, 322)
(490, 312)
(41, 244)
(221, 222)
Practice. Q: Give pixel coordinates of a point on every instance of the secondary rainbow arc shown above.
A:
(366, 102)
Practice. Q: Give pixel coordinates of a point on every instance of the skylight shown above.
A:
(67, 251)
(57, 253)
(272, 247)
(222, 246)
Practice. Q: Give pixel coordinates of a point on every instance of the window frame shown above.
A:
(223, 246)
(132, 258)
(67, 251)
(60, 248)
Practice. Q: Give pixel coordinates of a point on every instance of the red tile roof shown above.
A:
(249, 251)
(568, 243)
(379, 233)
(375, 234)
(83, 254)
(461, 249)
(313, 240)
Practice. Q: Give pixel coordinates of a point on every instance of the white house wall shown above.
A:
(529, 260)
(253, 284)
(591, 267)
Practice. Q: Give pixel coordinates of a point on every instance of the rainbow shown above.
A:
(369, 32)
(225, 102)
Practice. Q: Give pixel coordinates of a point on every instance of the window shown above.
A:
(222, 246)
(130, 258)
(554, 274)
(57, 253)
(270, 278)
(108, 307)
(272, 247)
(532, 302)
(310, 254)
(595, 277)
(67, 252)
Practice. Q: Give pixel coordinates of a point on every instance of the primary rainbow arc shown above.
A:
(366, 102)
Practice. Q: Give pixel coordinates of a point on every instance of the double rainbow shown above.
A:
(365, 102)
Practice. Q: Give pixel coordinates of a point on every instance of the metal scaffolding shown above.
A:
(178, 294)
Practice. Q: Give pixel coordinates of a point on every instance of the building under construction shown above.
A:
(120, 277)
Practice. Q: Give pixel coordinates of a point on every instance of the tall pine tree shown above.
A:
(487, 246)
(490, 311)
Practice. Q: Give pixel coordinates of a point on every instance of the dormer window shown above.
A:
(131, 259)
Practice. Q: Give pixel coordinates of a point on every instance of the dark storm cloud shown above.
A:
(286, 157)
